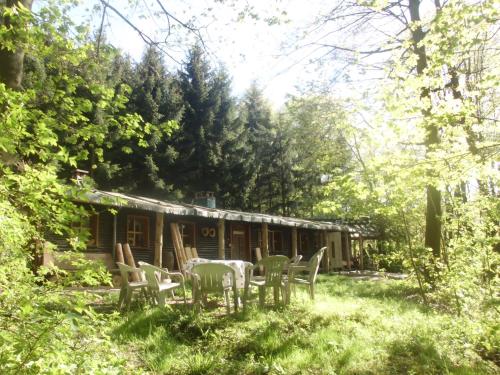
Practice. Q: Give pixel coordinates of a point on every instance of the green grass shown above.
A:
(353, 327)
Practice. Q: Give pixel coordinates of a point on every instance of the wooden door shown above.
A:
(239, 242)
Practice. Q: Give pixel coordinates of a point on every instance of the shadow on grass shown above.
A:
(182, 340)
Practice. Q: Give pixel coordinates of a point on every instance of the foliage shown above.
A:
(42, 132)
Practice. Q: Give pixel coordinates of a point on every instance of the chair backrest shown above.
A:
(126, 270)
(274, 266)
(314, 263)
(151, 276)
(258, 258)
(210, 276)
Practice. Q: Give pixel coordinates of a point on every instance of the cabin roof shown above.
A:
(150, 204)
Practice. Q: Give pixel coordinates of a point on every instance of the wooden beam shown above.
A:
(115, 226)
(294, 242)
(328, 252)
(178, 246)
(158, 240)
(119, 253)
(348, 244)
(129, 260)
(265, 240)
(221, 226)
(361, 260)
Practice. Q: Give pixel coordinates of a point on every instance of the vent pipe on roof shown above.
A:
(205, 199)
(79, 175)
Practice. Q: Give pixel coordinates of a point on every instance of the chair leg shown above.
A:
(228, 304)
(236, 298)
(161, 299)
(276, 291)
(262, 296)
(184, 294)
(245, 297)
(128, 298)
(284, 295)
(121, 298)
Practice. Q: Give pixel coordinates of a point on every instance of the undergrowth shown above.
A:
(353, 327)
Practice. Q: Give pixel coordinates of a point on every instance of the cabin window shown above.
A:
(303, 241)
(318, 241)
(138, 231)
(188, 234)
(275, 241)
(87, 229)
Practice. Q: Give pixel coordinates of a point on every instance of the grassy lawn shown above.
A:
(353, 327)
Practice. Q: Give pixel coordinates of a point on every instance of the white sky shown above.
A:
(250, 49)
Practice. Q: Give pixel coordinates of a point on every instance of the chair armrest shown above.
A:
(171, 274)
(298, 268)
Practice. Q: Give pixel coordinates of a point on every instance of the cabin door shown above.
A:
(334, 243)
(239, 242)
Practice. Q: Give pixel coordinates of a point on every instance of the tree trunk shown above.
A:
(433, 213)
(11, 62)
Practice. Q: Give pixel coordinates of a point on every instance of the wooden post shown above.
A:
(328, 252)
(294, 242)
(361, 260)
(158, 240)
(221, 226)
(129, 260)
(178, 246)
(265, 240)
(115, 226)
(119, 253)
(348, 244)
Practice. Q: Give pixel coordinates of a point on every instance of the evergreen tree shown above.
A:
(197, 160)
(210, 141)
(260, 133)
(145, 166)
(229, 141)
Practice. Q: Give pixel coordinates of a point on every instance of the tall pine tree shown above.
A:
(145, 167)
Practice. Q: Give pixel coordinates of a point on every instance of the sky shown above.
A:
(248, 47)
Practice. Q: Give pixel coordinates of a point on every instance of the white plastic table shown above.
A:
(237, 265)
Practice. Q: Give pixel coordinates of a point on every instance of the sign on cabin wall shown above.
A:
(208, 232)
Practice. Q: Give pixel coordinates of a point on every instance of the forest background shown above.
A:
(423, 167)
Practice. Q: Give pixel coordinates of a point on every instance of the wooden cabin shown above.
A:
(147, 225)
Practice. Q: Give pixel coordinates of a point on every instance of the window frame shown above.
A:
(145, 220)
(192, 224)
(270, 241)
(303, 240)
(91, 224)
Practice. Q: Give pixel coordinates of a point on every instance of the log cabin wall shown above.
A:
(286, 239)
(104, 243)
(206, 246)
(308, 242)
